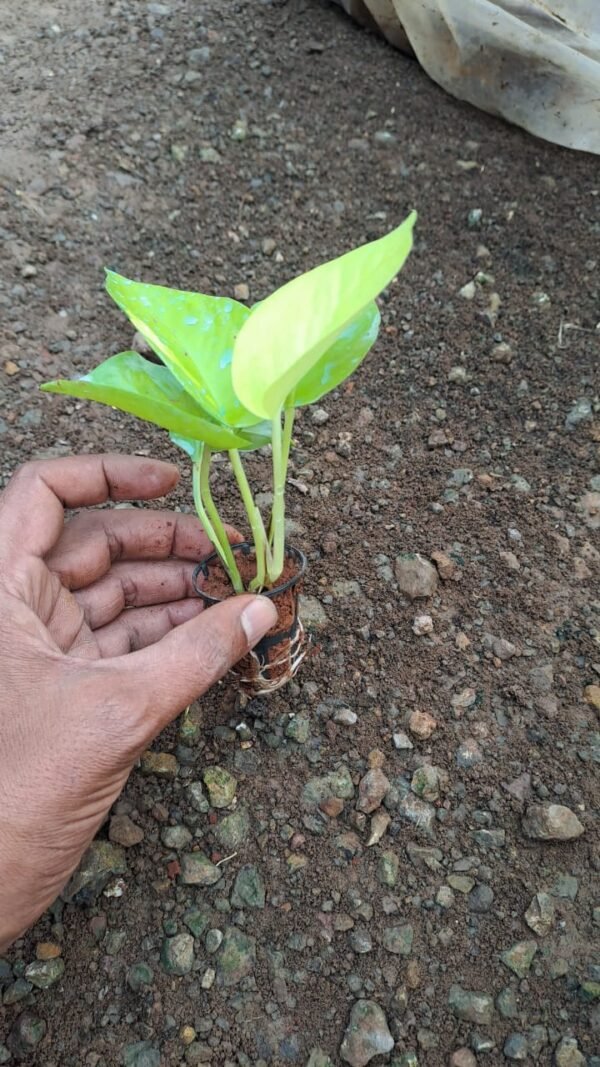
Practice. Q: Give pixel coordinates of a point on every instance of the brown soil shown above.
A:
(439, 442)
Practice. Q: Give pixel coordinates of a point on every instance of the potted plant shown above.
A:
(230, 380)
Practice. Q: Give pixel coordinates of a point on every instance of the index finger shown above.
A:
(32, 506)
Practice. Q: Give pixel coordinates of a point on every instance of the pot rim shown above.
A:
(246, 547)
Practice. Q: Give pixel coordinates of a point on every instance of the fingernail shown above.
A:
(257, 617)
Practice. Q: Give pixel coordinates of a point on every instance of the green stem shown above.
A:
(211, 520)
(278, 512)
(259, 536)
(288, 425)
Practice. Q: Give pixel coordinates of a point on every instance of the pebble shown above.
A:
(591, 695)
(197, 797)
(139, 975)
(417, 578)
(506, 1003)
(387, 868)
(45, 973)
(233, 830)
(101, 861)
(123, 831)
(26, 1033)
(47, 950)
(402, 742)
(177, 954)
(141, 1054)
(398, 939)
(371, 790)
(567, 1053)
(552, 822)
(471, 1006)
(519, 957)
(445, 897)
(367, 1034)
(298, 729)
(502, 649)
(176, 837)
(318, 1058)
(249, 888)
(446, 566)
(313, 613)
(159, 764)
(422, 724)
(426, 782)
(345, 717)
(5, 1055)
(221, 786)
(237, 957)
(417, 811)
(213, 941)
(468, 754)
(197, 869)
(461, 882)
(580, 412)
(379, 824)
(502, 353)
(540, 914)
(422, 624)
(360, 941)
(515, 1047)
(463, 1057)
(481, 898)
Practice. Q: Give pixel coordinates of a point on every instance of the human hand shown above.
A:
(102, 643)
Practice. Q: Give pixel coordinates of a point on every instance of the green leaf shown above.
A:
(339, 361)
(133, 384)
(286, 335)
(194, 336)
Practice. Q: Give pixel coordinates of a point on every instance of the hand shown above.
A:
(102, 643)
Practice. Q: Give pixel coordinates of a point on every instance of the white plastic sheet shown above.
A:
(534, 63)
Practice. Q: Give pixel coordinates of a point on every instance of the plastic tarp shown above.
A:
(534, 63)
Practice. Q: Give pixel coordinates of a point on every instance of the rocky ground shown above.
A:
(395, 860)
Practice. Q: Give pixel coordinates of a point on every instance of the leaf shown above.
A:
(194, 336)
(286, 335)
(133, 384)
(339, 361)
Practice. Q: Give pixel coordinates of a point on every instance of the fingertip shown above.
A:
(258, 617)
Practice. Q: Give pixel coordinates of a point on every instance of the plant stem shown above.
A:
(278, 512)
(254, 518)
(288, 425)
(211, 520)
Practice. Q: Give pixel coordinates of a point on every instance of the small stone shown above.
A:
(139, 975)
(515, 1047)
(387, 868)
(426, 782)
(580, 412)
(160, 764)
(332, 806)
(463, 1057)
(187, 1035)
(177, 954)
(446, 566)
(197, 797)
(233, 830)
(406, 1059)
(26, 1034)
(47, 950)
(589, 991)
(249, 889)
(468, 291)
(17, 991)
(313, 613)
(542, 678)
(568, 1054)
(490, 838)
(591, 695)
(100, 862)
(417, 811)
(416, 576)
(237, 957)
(208, 978)
(123, 831)
(196, 869)
(379, 824)
(372, 789)
(345, 717)
(318, 1058)
(553, 822)
(398, 939)
(540, 914)
(502, 649)
(213, 941)
(209, 155)
(537, 1037)
(422, 724)
(422, 624)
(519, 957)
(506, 1003)
(367, 1034)
(502, 353)
(221, 786)
(402, 742)
(471, 1006)
(461, 882)
(298, 729)
(5, 1054)
(197, 920)
(141, 1054)
(360, 941)
(176, 837)
(468, 754)
(445, 897)
(241, 292)
(481, 898)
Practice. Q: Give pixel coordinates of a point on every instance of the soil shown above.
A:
(231, 143)
(280, 647)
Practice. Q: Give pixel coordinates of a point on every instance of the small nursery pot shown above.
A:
(277, 657)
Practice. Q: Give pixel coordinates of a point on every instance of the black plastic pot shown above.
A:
(277, 657)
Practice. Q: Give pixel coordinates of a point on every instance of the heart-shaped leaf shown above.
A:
(286, 335)
(133, 384)
(194, 336)
(339, 361)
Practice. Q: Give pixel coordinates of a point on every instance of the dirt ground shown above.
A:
(215, 144)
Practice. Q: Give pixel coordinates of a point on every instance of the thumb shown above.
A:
(167, 676)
